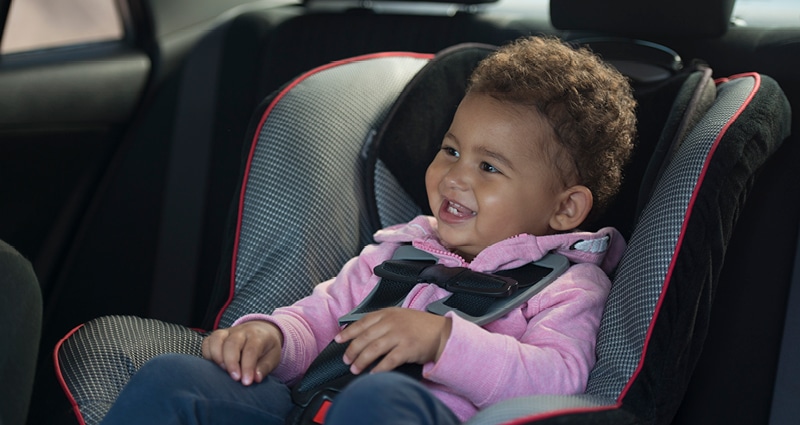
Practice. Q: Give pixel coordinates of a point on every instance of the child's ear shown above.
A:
(575, 204)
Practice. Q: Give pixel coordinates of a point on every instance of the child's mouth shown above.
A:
(455, 210)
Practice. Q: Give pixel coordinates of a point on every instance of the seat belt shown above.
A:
(785, 406)
(477, 297)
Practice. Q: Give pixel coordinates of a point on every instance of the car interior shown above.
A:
(128, 168)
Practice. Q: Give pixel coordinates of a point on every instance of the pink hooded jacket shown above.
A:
(545, 346)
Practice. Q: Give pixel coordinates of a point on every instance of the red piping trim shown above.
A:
(556, 413)
(75, 409)
(688, 214)
(254, 142)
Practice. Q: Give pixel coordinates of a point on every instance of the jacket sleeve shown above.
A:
(311, 323)
(545, 347)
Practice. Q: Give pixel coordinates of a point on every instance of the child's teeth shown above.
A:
(453, 208)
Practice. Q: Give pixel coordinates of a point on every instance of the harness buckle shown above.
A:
(314, 412)
(464, 280)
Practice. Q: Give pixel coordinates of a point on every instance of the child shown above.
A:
(536, 147)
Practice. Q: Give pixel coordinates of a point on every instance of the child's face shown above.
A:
(491, 179)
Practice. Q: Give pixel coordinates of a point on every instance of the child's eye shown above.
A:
(450, 151)
(489, 168)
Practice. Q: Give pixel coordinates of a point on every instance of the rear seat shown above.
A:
(261, 50)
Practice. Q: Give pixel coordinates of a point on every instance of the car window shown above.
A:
(767, 13)
(40, 24)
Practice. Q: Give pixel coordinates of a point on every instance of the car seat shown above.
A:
(340, 151)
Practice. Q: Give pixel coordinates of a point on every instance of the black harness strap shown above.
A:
(478, 297)
(397, 279)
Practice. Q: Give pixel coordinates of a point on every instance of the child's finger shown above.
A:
(212, 346)
(366, 349)
(205, 348)
(357, 328)
(267, 363)
(392, 360)
(251, 353)
(231, 355)
(258, 353)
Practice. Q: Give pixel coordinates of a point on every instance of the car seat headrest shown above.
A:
(677, 18)
(414, 128)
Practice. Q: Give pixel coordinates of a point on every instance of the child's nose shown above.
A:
(457, 177)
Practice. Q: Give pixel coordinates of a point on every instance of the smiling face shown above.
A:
(493, 177)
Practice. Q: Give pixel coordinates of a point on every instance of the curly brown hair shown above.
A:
(588, 103)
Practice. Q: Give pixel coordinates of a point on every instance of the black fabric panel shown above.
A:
(734, 378)
(415, 126)
(654, 105)
(677, 339)
(689, 107)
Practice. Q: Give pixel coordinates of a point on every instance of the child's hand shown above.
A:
(402, 334)
(248, 352)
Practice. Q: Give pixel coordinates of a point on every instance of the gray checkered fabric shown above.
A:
(302, 218)
(394, 204)
(303, 212)
(513, 409)
(98, 359)
(643, 272)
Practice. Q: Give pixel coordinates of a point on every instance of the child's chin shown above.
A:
(466, 251)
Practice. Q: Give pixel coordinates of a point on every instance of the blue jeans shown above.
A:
(186, 390)
(388, 398)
